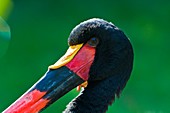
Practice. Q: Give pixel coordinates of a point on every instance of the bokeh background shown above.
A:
(39, 32)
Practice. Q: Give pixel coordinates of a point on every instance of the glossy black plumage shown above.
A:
(110, 70)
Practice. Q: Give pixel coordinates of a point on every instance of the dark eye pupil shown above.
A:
(93, 42)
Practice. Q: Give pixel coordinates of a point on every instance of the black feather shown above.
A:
(110, 70)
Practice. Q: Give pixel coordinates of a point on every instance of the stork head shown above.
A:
(97, 50)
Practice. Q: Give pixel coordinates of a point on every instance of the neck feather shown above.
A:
(95, 98)
(98, 95)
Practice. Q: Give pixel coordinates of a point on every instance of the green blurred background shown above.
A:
(39, 32)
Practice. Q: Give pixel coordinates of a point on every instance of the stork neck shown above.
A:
(93, 99)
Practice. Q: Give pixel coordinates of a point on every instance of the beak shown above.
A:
(69, 71)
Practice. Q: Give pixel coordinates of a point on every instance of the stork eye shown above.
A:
(93, 42)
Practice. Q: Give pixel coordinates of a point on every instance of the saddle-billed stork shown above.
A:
(99, 58)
